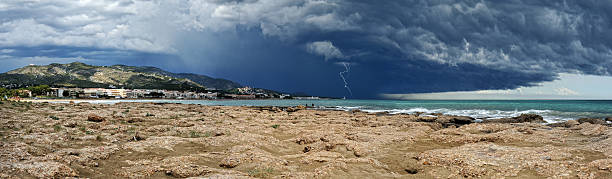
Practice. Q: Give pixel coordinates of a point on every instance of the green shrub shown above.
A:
(54, 117)
(57, 128)
(275, 126)
(207, 134)
(194, 134)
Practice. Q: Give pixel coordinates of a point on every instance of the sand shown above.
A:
(146, 140)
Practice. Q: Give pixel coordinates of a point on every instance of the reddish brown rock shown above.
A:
(95, 118)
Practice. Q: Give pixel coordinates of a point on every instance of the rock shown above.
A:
(133, 120)
(571, 123)
(137, 137)
(566, 124)
(70, 124)
(48, 170)
(189, 170)
(307, 149)
(295, 109)
(426, 119)
(301, 107)
(448, 121)
(292, 109)
(602, 164)
(436, 114)
(589, 129)
(230, 162)
(219, 133)
(413, 166)
(591, 120)
(534, 118)
(384, 113)
(462, 120)
(95, 118)
(411, 170)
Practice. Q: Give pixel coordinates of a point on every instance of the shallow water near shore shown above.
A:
(551, 110)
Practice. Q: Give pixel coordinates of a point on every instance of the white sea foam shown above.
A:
(548, 115)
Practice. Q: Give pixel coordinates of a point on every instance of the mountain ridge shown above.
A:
(78, 74)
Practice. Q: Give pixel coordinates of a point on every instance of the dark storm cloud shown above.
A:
(391, 46)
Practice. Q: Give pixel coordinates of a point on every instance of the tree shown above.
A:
(3, 92)
(39, 90)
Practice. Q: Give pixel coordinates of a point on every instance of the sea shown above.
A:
(552, 110)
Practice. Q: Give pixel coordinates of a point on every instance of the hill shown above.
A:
(78, 74)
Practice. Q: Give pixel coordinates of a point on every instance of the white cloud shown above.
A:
(326, 49)
(124, 25)
(7, 50)
(279, 18)
(566, 92)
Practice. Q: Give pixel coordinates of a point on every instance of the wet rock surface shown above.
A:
(146, 140)
(591, 120)
(519, 119)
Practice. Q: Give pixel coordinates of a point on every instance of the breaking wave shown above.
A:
(550, 116)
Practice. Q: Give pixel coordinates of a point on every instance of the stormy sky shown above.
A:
(378, 49)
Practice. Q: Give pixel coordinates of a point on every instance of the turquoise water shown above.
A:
(551, 110)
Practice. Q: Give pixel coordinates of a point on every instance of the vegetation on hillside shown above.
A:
(120, 76)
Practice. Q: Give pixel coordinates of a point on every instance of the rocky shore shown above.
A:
(146, 140)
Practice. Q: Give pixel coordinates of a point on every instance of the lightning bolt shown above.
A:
(347, 68)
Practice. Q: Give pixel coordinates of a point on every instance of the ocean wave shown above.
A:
(549, 116)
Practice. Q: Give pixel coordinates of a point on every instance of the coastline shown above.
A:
(189, 140)
(551, 111)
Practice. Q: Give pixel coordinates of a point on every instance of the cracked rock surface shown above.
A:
(147, 140)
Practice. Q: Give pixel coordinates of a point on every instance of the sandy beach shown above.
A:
(147, 140)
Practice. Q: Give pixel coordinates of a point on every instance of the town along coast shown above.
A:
(143, 140)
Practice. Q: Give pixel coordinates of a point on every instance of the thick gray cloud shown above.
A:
(456, 45)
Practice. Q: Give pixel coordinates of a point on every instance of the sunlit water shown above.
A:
(551, 110)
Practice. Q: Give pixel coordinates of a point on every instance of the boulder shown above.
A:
(591, 120)
(230, 162)
(447, 121)
(95, 118)
(71, 124)
(187, 170)
(295, 109)
(301, 107)
(534, 118)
